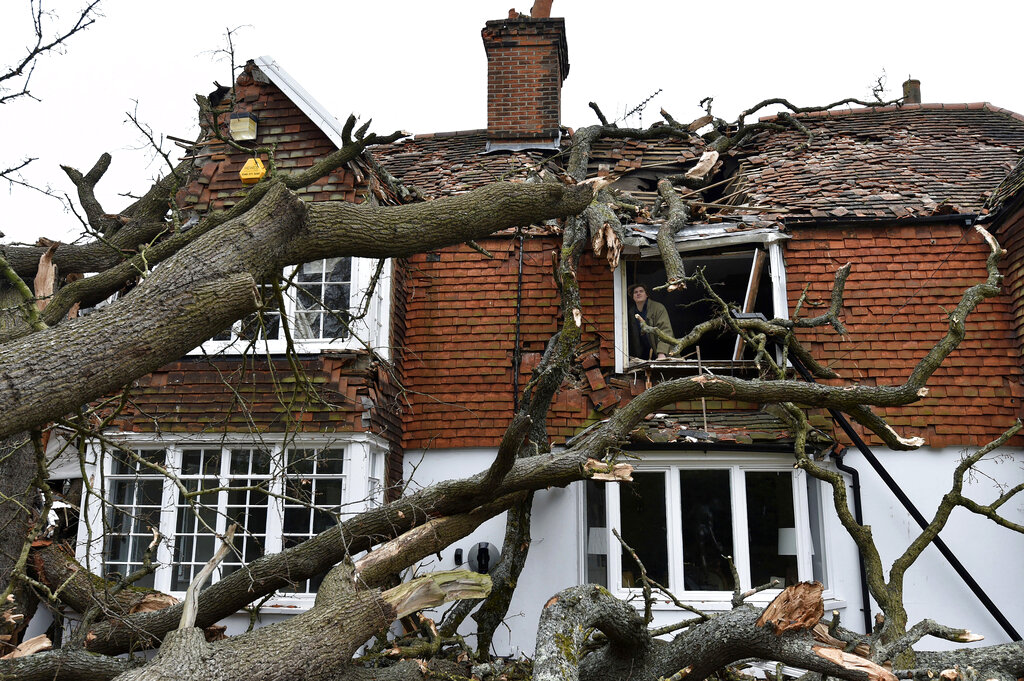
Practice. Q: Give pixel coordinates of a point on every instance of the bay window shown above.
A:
(279, 495)
(687, 516)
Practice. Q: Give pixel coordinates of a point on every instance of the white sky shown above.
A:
(420, 66)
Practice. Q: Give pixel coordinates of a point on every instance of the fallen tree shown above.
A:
(53, 365)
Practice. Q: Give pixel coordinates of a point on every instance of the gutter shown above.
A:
(898, 492)
(967, 219)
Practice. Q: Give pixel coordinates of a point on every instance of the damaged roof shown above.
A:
(887, 162)
(446, 163)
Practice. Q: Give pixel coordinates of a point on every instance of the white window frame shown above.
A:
(372, 330)
(770, 241)
(670, 463)
(364, 457)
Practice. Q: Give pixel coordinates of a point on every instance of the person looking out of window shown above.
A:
(647, 345)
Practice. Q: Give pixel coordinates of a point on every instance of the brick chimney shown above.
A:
(911, 91)
(527, 60)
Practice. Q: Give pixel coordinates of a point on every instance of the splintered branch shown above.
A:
(189, 607)
(797, 608)
(920, 630)
(28, 304)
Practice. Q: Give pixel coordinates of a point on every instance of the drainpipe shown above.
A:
(858, 515)
(517, 351)
(894, 487)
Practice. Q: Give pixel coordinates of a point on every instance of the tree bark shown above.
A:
(211, 283)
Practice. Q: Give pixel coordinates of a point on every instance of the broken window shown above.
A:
(685, 519)
(740, 278)
(748, 276)
(278, 495)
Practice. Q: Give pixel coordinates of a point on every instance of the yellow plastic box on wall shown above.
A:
(252, 172)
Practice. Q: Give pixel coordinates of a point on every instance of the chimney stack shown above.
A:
(911, 91)
(527, 60)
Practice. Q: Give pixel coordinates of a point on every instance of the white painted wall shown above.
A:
(554, 558)
(994, 555)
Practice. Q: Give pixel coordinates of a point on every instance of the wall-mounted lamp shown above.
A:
(482, 557)
(243, 126)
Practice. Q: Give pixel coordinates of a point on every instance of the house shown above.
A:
(415, 380)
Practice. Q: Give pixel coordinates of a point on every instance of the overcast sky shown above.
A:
(420, 66)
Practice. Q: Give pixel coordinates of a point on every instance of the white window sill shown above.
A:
(715, 603)
(274, 347)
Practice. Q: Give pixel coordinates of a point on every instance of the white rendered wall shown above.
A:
(993, 555)
(553, 563)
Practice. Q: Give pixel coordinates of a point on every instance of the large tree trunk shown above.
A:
(313, 646)
(18, 497)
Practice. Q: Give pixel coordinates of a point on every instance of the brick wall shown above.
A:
(905, 280)
(1011, 237)
(460, 338)
(461, 325)
(527, 60)
(299, 143)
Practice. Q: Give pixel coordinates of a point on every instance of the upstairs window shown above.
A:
(749, 276)
(327, 304)
(321, 298)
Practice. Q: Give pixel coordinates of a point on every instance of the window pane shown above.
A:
(338, 269)
(644, 528)
(597, 534)
(771, 527)
(311, 271)
(309, 296)
(329, 461)
(306, 325)
(336, 297)
(814, 503)
(327, 493)
(336, 322)
(301, 461)
(706, 509)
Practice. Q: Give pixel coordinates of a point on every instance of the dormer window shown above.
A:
(746, 270)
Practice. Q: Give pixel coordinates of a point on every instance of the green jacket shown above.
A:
(657, 316)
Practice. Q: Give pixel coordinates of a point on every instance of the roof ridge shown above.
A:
(453, 133)
(926, 106)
